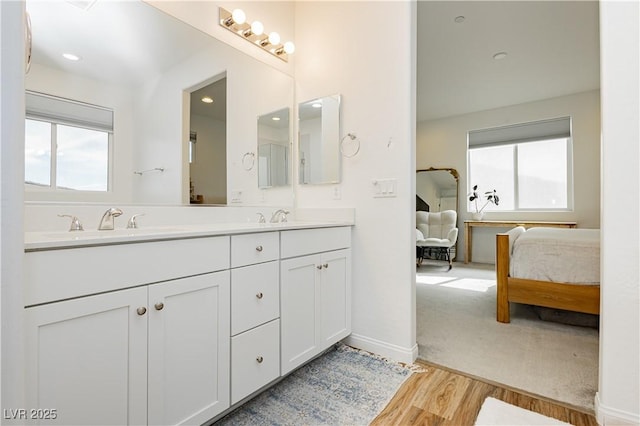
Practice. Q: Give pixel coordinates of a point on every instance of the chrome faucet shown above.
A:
(107, 222)
(279, 215)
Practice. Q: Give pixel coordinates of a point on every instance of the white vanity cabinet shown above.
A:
(255, 312)
(315, 292)
(156, 353)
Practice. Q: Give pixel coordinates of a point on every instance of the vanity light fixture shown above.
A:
(236, 22)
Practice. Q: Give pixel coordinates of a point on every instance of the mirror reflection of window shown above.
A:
(67, 144)
(319, 141)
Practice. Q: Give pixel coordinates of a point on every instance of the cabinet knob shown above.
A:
(326, 265)
(260, 295)
(159, 306)
(259, 359)
(319, 266)
(141, 310)
(259, 248)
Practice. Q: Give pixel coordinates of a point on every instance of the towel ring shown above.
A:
(248, 161)
(350, 149)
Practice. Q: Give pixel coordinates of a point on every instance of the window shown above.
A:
(67, 144)
(529, 165)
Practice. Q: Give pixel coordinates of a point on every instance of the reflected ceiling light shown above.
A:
(316, 105)
(237, 23)
(207, 100)
(275, 118)
(71, 56)
(500, 55)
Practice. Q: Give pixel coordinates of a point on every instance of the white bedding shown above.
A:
(556, 254)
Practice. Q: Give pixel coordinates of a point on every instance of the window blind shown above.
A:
(65, 111)
(554, 128)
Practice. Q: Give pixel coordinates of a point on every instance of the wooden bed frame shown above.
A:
(571, 297)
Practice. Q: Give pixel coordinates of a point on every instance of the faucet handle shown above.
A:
(133, 224)
(75, 222)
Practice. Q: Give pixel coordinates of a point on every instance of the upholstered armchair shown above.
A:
(436, 234)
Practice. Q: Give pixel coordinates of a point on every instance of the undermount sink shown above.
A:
(80, 235)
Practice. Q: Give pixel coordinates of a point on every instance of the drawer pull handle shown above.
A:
(326, 265)
(259, 248)
(319, 266)
(260, 295)
(259, 359)
(159, 306)
(141, 310)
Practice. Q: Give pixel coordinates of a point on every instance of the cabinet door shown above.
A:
(335, 290)
(299, 307)
(86, 358)
(189, 346)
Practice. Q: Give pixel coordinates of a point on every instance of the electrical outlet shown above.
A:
(236, 196)
(337, 193)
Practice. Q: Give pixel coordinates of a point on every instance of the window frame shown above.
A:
(52, 190)
(570, 189)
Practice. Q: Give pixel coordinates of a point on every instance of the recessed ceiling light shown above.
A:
(71, 56)
(459, 19)
(275, 118)
(207, 100)
(500, 55)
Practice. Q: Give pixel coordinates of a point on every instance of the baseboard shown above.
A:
(611, 416)
(387, 350)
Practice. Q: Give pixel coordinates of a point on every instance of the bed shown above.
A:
(549, 267)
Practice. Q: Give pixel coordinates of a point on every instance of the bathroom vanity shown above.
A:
(178, 325)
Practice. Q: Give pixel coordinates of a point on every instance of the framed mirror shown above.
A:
(319, 141)
(273, 149)
(437, 189)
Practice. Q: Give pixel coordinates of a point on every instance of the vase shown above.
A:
(477, 215)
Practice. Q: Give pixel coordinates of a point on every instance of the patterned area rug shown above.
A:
(343, 386)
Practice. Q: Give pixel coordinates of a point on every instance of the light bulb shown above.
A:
(274, 38)
(289, 47)
(257, 28)
(238, 16)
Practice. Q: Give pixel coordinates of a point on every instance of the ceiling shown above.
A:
(552, 50)
(552, 47)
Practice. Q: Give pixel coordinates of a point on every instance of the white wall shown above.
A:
(253, 89)
(11, 196)
(618, 397)
(354, 49)
(443, 143)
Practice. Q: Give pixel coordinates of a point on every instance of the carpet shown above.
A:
(457, 328)
(343, 386)
(498, 413)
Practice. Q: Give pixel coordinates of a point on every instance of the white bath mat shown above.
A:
(498, 413)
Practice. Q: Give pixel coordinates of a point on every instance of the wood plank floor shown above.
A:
(444, 397)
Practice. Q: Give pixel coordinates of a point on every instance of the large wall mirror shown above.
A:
(319, 141)
(144, 65)
(437, 189)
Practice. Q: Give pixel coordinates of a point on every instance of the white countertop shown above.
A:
(52, 240)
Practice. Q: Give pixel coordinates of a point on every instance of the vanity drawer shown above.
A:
(248, 249)
(255, 359)
(301, 242)
(255, 295)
